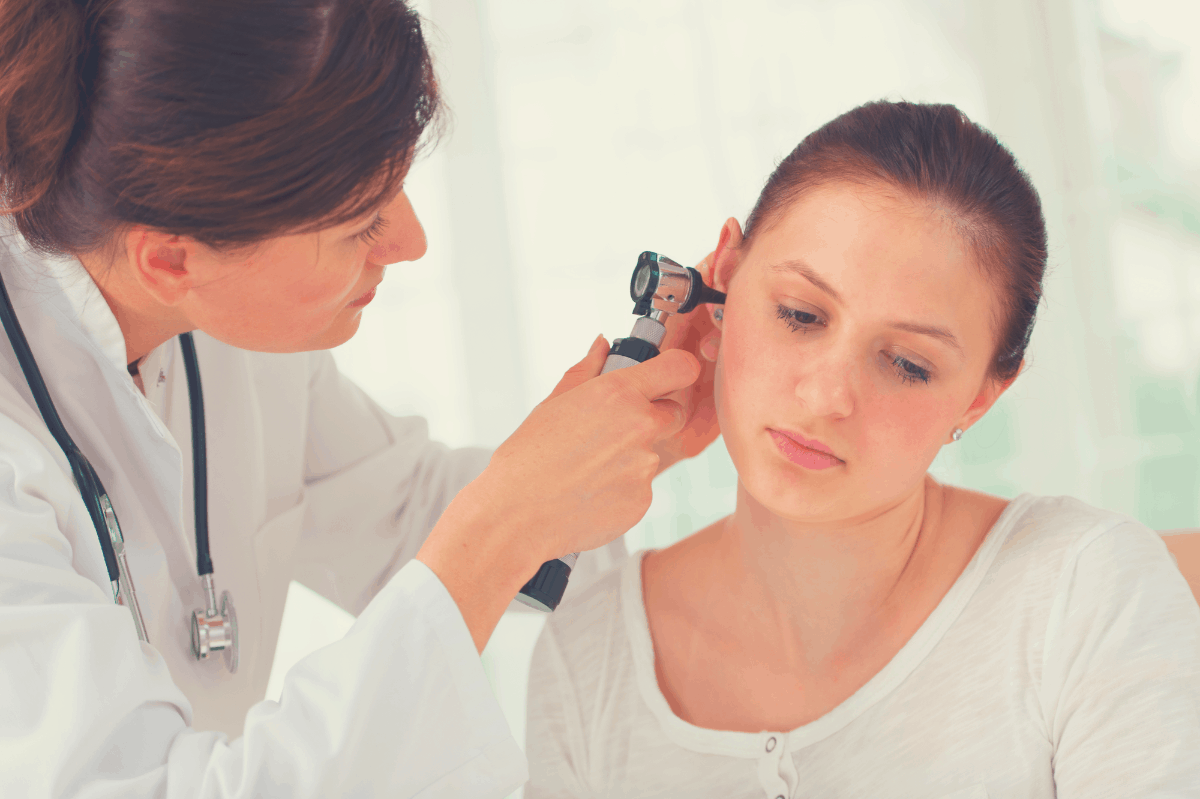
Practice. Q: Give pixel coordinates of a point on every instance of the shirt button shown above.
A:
(781, 796)
(771, 744)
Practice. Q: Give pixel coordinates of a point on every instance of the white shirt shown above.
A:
(308, 480)
(1064, 661)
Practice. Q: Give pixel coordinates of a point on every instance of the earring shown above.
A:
(719, 314)
(957, 434)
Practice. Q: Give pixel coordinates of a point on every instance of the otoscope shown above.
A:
(659, 287)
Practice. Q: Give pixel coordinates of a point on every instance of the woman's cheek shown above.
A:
(902, 435)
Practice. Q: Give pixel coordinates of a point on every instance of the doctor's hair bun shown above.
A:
(41, 45)
(933, 153)
(225, 121)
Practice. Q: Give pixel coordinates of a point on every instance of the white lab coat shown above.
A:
(308, 480)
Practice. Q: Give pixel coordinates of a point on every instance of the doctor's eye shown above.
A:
(370, 234)
(798, 320)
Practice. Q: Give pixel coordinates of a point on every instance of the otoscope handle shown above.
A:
(545, 590)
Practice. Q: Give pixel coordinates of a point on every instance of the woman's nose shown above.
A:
(404, 238)
(826, 388)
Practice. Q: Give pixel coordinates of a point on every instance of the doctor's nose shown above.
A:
(403, 239)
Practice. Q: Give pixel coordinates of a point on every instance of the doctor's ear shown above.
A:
(160, 263)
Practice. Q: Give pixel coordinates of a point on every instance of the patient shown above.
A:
(854, 628)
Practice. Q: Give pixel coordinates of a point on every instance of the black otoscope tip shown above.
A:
(700, 293)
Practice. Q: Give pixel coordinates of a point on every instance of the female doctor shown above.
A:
(236, 169)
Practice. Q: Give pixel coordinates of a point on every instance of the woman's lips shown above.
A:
(803, 452)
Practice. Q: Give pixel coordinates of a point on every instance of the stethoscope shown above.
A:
(212, 631)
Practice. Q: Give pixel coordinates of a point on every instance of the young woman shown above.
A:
(854, 628)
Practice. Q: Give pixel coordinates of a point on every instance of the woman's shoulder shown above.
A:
(1082, 550)
(1036, 525)
(597, 611)
(588, 639)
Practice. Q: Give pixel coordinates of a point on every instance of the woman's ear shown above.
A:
(991, 391)
(725, 259)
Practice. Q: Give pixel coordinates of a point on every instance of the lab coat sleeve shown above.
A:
(400, 707)
(1121, 675)
(375, 485)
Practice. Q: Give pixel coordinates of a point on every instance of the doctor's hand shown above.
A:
(575, 475)
(693, 332)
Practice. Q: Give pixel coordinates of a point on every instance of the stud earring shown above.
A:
(957, 434)
(719, 314)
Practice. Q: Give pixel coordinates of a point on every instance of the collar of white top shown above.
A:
(752, 745)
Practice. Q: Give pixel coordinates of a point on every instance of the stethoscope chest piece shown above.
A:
(213, 631)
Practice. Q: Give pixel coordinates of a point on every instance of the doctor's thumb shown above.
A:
(585, 370)
(672, 370)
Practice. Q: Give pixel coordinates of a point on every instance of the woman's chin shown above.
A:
(790, 493)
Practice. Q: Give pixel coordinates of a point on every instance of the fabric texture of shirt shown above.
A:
(1063, 662)
(308, 480)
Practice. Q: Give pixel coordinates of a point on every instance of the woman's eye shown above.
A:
(908, 371)
(369, 235)
(798, 320)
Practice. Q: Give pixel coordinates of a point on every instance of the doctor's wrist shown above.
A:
(483, 553)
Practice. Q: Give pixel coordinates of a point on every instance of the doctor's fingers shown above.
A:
(659, 376)
(585, 370)
(668, 418)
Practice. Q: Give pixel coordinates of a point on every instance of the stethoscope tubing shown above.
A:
(91, 489)
(199, 454)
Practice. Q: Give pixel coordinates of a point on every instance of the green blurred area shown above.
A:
(1168, 476)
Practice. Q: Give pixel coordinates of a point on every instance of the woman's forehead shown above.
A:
(878, 253)
(847, 229)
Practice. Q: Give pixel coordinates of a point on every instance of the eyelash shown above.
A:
(790, 317)
(906, 370)
(373, 231)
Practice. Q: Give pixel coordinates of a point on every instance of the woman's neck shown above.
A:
(825, 587)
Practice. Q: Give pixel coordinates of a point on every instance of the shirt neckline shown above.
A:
(882, 684)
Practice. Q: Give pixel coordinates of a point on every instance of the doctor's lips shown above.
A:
(364, 299)
(804, 452)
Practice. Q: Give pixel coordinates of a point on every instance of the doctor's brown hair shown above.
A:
(936, 156)
(222, 120)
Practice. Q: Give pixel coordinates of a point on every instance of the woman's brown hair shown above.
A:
(221, 120)
(933, 153)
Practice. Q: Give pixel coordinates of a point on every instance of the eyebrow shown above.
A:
(940, 333)
(808, 273)
(369, 222)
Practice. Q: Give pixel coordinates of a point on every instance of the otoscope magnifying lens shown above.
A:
(641, 281)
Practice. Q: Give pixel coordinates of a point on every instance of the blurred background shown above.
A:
(585, 132)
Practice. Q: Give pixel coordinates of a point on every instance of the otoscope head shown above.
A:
(660, 286)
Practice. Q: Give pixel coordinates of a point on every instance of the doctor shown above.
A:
(236, 169)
